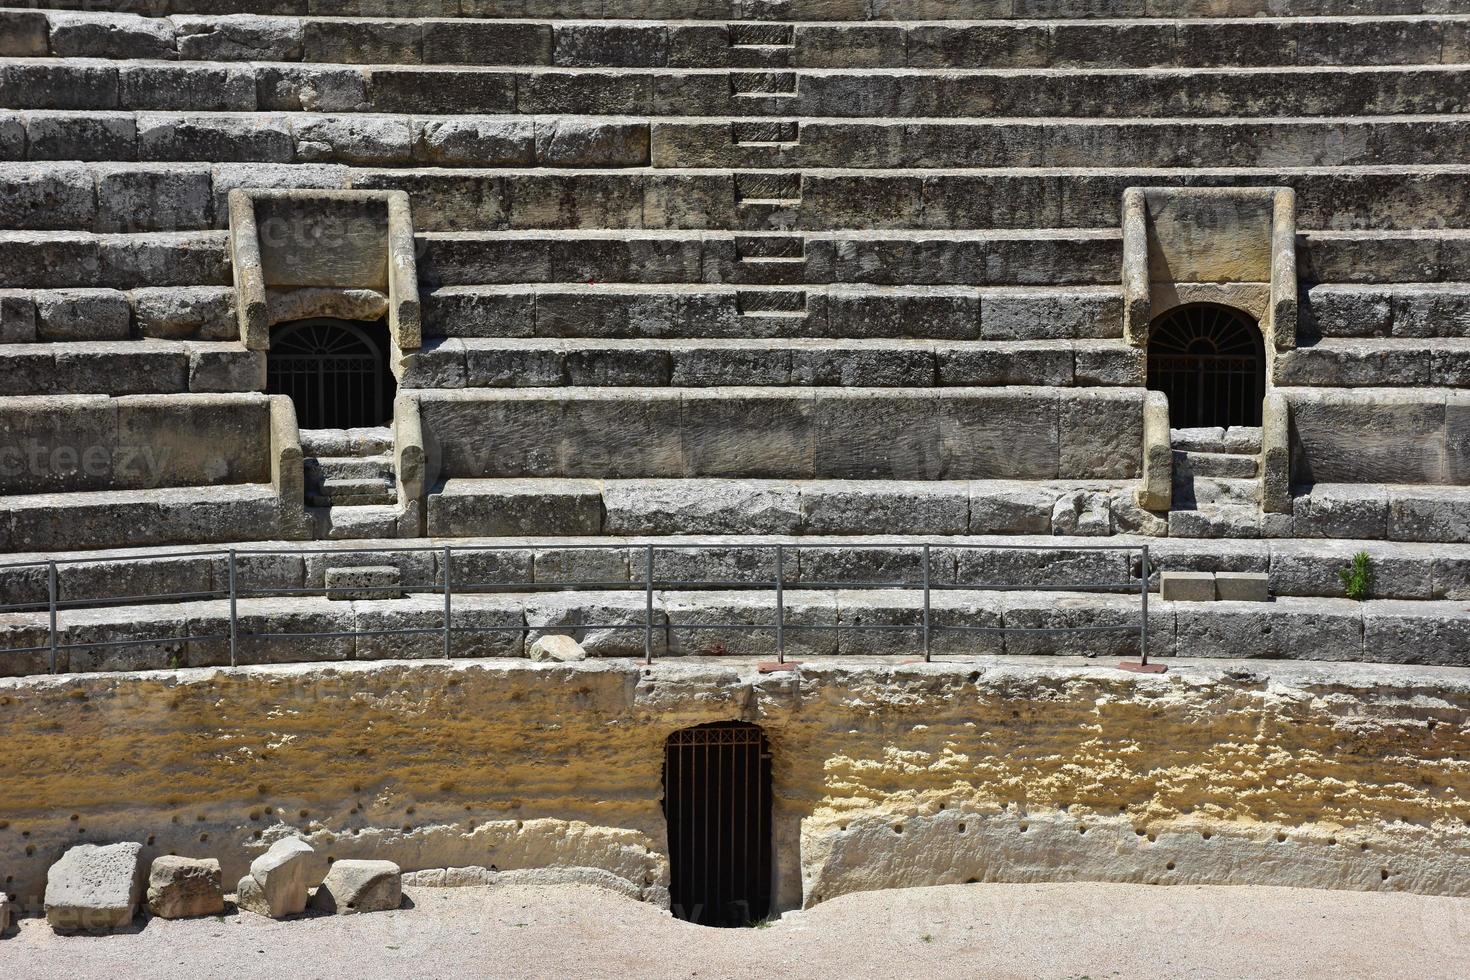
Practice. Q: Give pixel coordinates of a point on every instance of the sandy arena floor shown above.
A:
(970, 931)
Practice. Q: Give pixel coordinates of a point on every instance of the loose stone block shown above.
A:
(1187, 586)
(353, 886)
(277, 883)
(184, 888)
(1243, 586)
(5, 913)
(94, 888)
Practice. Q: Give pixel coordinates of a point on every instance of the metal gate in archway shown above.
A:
(717, 802)
(334, 371)
(1210, 361)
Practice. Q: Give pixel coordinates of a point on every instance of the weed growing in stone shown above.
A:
(1357, 578)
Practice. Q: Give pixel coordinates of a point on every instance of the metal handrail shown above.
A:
(649, 583)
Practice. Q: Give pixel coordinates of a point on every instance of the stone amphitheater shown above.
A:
(856, 383)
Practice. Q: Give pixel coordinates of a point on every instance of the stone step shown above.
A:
(131, 518)
(619, 141)
(1335, 310)
(129, 367)
(1379, 197)
(89, 83)
(180, 275)
(109, 197)
(1296, 566)
(1238, 439)
(486, 362)
(520, 507)
(1192, 492)
(1377, 363)
(820, 622)
(786, 11)
(1225, 520)
(140, 262)
(1187, 143)
(1366, 512)
(363, 443)
(1037, 257)
(378, 467)
(1044, 257)
(594, 43)
(786, 432)
(352, 492)
(355, 523)
(1190, 464)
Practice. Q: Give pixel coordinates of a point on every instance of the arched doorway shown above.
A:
(335, 371)
(717, 801)
(1211, 362)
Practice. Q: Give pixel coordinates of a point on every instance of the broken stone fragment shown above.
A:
(359, 886)
(557, 648)
(279, 879)
(4, 913)
(94, 887)
(184, 888)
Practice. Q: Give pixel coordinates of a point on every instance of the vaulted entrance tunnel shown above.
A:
(717, 801)
(336, 372)
(1211, 362)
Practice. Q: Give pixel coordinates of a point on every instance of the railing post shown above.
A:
(928, 656)
(51, 592)
(448, 609)
(648, 604)
(234, 615)
(1143, 604)
(780, 605)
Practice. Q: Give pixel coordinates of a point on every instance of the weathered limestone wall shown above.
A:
(1351, 776)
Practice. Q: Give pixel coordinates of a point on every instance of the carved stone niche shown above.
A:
(324, 253)
(1235, 246)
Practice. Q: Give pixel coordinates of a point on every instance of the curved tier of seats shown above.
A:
(801, 270)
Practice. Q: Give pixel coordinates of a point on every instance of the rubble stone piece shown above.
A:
(94, 887)
(185, 888)
(281, 875)
(359, 886)
(555, 647)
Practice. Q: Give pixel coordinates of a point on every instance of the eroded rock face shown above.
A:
(1291, 768)
(93, 888)
(359, 886)
(183, 888)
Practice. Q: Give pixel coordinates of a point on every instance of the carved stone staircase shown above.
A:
(350, 491)
(1216, 483)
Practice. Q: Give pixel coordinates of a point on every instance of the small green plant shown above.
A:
(1357, 578)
